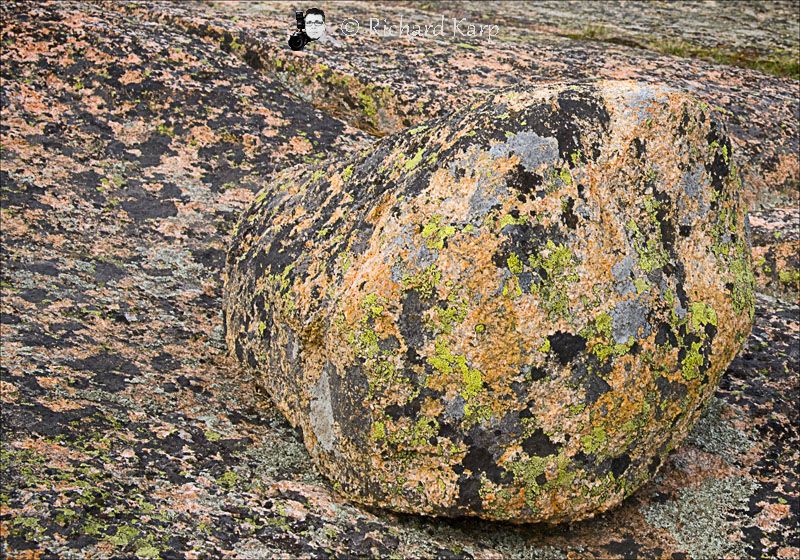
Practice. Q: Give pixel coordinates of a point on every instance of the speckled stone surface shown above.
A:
(383, 84)
(132, 140)
(513, 312)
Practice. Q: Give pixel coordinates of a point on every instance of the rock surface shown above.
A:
(135, 134)
(385, 84)
(513, 312)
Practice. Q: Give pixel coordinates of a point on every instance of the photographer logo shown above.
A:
(310, 27)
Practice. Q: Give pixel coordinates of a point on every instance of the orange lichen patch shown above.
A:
(25, 554)
(184, 499)
(202, 135)
(8, 392)
(49, 382)
(771, 514)
(61, 405)
(300, 145)
(59, 454)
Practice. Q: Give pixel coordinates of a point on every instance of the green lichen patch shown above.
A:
(594, 441)
(435, 232)
(700, 315)
(528, 471)
(559, 266)
(412, 163)
(603, 345)
(446, 318)
(646, 238)
(425, 281)
(453, 367)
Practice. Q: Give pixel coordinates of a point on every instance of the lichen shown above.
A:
(446, 318)
(509, 220)
(448, 365)
(603, 345)
(594, 441)
(414, 161)
(435, 233)
(368, 104)
(514, 263)
(559, 264)
(649, 248)
(228, 479)
(406, 436)
(742, 293)
(700, 315)
(716, 434)
(424, 282)
(378, 431)
(364, 340)
(702, 518)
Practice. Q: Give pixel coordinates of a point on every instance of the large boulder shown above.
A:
(513, 312)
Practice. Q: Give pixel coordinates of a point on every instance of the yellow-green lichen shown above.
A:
(372, 304)
(514, 263)
(509, 220)
(124, 535)
(545, 347)
(641, 285)
(446, 318)
(565, 176)
(472, 383)
(344, 260)
(368, 104)
(691, 364)
(512, 288)
(424, 282)
(414, 161)
(649, 248)
(743, 297)
(447, 365)
(347, 173)
(700, 315)
(405, 435)
(228, 479)
(378, 365)
(604, 345)
(559, 264)
(378, 431)
(594, 441)
(526, 471)
(435, 233)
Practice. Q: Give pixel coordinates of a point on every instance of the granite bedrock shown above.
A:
(513, 312)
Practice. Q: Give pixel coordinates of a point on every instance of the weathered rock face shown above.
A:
(514, 312)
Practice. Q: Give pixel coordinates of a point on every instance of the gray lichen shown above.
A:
(699, 519)
(717, 435)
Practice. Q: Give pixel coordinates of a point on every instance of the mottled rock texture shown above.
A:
(513, 312)
(135, 134)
